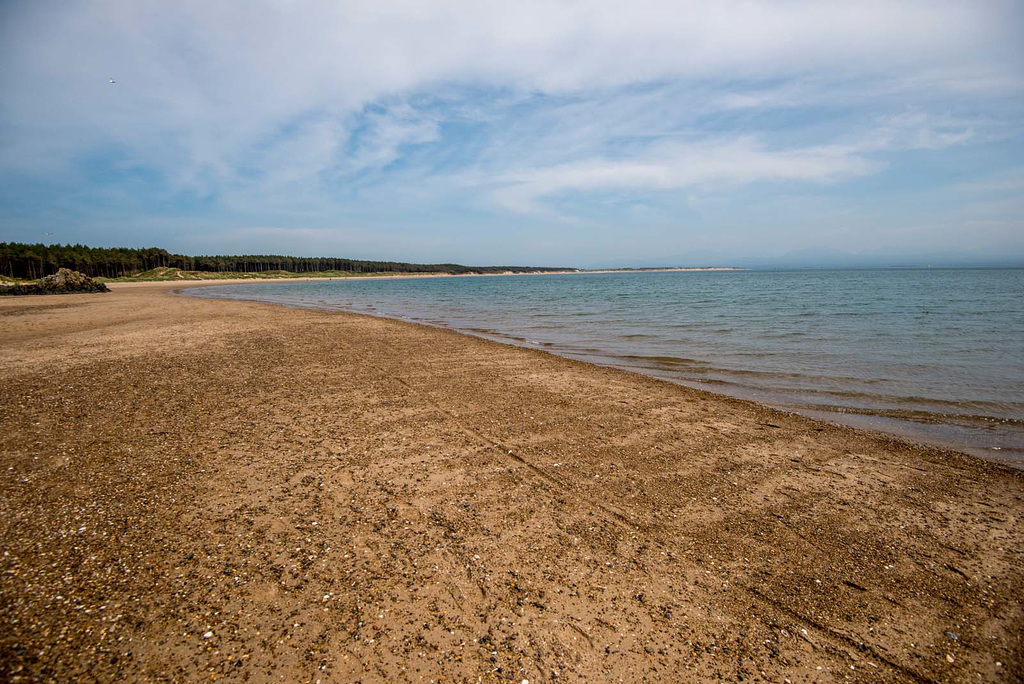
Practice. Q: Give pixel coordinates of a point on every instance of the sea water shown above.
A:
(934, 355)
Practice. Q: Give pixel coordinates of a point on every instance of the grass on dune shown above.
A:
(165, 274)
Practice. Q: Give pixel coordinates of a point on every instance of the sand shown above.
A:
(199, 489)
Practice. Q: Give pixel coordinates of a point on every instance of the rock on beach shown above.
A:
(64, 281)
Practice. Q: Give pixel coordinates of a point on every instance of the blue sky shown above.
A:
(564, 133)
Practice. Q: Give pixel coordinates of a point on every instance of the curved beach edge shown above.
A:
(197, 486)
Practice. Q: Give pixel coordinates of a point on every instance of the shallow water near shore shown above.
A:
(933, 355)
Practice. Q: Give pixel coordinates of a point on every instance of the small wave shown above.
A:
(930, 417)
(953, 406)
(761, 374)
(666, 360)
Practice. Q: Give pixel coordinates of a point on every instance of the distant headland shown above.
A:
(21, 262)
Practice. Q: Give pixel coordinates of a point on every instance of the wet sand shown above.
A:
(200, 489)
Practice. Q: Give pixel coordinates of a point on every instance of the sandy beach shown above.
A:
(201, 489)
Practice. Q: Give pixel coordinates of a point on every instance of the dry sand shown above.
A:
(197, 489)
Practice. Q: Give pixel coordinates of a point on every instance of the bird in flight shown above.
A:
(112, 80)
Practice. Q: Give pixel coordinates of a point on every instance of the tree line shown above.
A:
(32, 261)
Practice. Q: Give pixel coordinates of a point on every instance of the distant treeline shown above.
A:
(20, 260)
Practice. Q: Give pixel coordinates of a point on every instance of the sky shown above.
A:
(556, 133)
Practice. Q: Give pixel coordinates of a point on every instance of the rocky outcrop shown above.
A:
(64, 281)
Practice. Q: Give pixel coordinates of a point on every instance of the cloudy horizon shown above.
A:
(569, 133)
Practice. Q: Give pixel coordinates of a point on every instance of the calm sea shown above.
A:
(933, 355)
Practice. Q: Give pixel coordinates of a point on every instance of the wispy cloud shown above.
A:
(679, 166)
(383, 116)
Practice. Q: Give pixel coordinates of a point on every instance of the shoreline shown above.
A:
(288, 279)
(303, 493)
(877, 425)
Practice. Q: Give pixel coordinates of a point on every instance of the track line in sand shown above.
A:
(837, 641)
(481, 436)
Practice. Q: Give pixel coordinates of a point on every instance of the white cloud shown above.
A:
(520, 176)
(201, 83)
(293, 109)
(681, 166)
(1010, 181)
(918, 130)
(387, 132)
